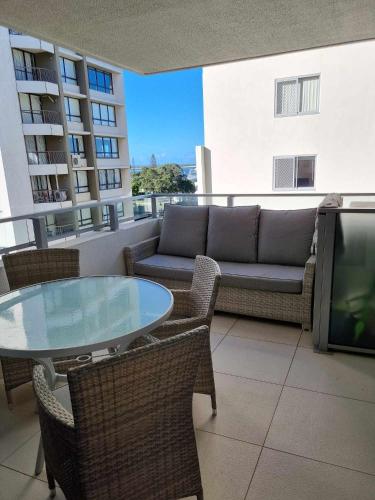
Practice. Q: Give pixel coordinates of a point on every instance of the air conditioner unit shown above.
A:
(76, 161)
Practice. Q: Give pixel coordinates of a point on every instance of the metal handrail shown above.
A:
(35, 74)
(46, 157)
(50, 195)
(40, 116)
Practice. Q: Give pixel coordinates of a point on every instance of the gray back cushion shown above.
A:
(285, 236)
(184, 231)
(233, 233)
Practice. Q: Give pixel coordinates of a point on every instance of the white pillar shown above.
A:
(203, 165)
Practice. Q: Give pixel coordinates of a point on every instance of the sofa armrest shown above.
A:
(139, 251)
(308, 277)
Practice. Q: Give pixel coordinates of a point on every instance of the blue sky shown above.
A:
(165, 116)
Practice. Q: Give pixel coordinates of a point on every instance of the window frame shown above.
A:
(74, 142)
(295, 166)
(109, 185)
(80, 188)
(296, 79)
(69, 114)
(103, 121)
(64, 77)
(81, 220)
(26, 70)
(113, 154)
(98, 87)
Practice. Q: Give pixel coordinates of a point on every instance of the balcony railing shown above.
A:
(50, 196)
(40, 116)
(35, 74)
(46, 157)
(149, 206)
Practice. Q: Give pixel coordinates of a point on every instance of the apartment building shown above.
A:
(63, 135)
(297, 122)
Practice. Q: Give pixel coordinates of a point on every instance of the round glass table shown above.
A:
(79, 315)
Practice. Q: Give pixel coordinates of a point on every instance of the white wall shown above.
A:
(244, 136)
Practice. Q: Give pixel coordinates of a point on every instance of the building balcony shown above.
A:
(47, 163)
(50, 196)
(32, 80)
(41, 122)
(29, 43)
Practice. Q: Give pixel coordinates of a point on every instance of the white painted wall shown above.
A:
(243, 134)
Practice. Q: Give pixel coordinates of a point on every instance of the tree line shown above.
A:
(169, 178)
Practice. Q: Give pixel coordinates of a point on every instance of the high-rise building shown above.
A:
(63, 135)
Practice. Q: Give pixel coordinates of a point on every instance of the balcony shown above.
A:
(50, 196)
(281, 406)
(41, 122)
(36, 80)
(25, 42)
(47, 162)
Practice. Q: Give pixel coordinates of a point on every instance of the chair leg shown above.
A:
(51, 484)
(200, 495)
(213, 404)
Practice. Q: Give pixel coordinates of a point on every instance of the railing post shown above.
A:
(230, 200)
(153, 207)
(113, 217)
(40, 232)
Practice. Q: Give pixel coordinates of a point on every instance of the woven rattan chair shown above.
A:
(28, 268)
(130, 434)
(193, 308)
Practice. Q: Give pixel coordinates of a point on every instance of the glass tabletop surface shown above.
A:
(73, 313)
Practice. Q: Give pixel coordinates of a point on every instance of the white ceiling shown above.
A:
(150, 36)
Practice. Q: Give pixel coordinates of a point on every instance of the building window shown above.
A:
(84, 217)
(24, 64)
(100, 80)
(81, 184)
(109, 179)
(102, 114)
(294, 172)
(76, 145)
(31, 108)
(106, 147)
(105, 212)
(68, 71)
(36, 149)
(72, 109)
(297, 95)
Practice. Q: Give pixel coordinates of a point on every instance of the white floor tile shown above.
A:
(222, 322)
(337, 373)
(331, 429)
(280, 476)
(265, 361)
(15, 486)
(271, 331)
(215, 338)
(245, 408)
(306, 340)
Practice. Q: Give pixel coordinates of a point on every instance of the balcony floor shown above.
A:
(291, 423)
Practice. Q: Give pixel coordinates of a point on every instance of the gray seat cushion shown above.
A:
(285, 279)
(285, 236)
(266, 277)
(184, 231)
(166, 266)
(232, 233)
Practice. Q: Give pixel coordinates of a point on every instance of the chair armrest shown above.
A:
(139, 251)
(49, 402)
(177, 326)
(308, 277)
(182, 303)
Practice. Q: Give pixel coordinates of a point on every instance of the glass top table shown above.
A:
(74, 316)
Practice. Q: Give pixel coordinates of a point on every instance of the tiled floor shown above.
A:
(291, 424)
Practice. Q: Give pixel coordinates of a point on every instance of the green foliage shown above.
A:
(168, 178)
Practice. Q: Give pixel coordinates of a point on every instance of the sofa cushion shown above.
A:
(266, 277)
(166, 266)
(285, 236)
(285, 279)
(232, 233)
(184, 231)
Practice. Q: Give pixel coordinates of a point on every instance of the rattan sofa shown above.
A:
(264, 255)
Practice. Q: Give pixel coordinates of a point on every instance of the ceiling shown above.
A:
(151, 36)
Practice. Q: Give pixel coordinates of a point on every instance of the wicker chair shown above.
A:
(193, 308)
(28, 268)
(130, 434)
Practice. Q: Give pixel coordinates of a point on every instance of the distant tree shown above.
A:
(153, 162)
(168, 178)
